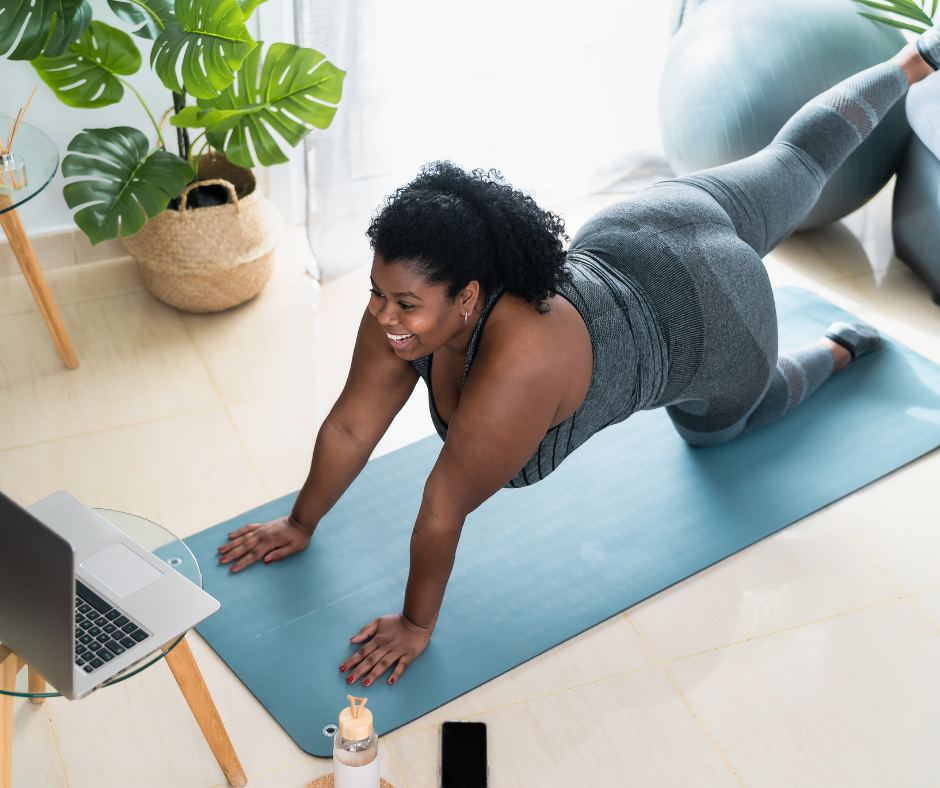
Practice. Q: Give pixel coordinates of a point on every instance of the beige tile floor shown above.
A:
(809, 659)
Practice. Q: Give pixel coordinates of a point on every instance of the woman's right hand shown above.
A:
(271, 541)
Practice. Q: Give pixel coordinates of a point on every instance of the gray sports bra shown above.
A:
(637, 364)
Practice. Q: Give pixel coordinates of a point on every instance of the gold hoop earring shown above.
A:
(466, 315)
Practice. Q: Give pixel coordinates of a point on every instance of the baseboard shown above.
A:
(61, 249)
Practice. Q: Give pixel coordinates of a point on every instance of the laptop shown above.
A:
(80, 601)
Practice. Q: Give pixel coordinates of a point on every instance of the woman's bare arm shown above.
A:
(505, 409)
(377, 388)
(504, 413)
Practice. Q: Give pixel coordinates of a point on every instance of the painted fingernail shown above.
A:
(366, 682)
(350, 678)
(267, 559)
(392, 681)
(342, 668)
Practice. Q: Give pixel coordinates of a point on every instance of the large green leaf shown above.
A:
(207, 44)
(917, 13)
(85, 76)
(891, 22)
(248, 6)
(149, 18)
(293, 95)
(65, 19)
(127, 183)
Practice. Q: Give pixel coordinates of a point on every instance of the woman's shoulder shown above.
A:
(518, 332)
(514, 316)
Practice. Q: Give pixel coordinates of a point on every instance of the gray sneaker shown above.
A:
(859, 339)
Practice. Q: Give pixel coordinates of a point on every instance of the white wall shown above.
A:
(48, 212)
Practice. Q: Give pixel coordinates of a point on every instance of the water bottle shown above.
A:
(355, 748)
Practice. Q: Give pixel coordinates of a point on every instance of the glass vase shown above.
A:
(12, 173)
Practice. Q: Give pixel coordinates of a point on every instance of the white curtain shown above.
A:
(559, 97)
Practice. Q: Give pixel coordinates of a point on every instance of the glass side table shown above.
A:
(179, 658)
(41, 161)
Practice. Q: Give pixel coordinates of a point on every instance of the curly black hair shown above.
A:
(459, 226)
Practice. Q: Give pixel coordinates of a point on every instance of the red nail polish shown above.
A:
(350, 679)
(366, 683)
(342, 668)
(392, 681)
(267, 559)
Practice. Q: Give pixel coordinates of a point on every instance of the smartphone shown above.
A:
(463, 755)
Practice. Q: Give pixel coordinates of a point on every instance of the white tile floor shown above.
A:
(809, 659)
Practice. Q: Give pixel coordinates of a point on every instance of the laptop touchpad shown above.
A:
(122, 570)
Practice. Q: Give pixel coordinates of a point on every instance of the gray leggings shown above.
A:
(742, 211)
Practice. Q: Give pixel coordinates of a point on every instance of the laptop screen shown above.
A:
(37, 593)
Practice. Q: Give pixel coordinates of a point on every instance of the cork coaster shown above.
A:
(326, 781)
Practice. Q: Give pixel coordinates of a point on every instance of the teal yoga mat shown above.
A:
(632, 512)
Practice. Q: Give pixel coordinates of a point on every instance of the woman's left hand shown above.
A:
(394, 639)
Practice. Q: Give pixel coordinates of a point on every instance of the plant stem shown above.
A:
(149, 113)
(182, 134)
(149, 11)
(192, 155)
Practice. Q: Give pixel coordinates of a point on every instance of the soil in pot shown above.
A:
(207, 196)
(215, 165)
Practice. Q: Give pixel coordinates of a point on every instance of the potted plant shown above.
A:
(245, 97)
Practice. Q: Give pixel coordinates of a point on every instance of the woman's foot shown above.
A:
(849, 341)
(913, 63)
(928, 46)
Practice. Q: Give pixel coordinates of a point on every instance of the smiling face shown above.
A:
(418, 316)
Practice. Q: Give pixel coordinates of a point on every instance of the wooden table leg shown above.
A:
(188, 676)
(36, 684)
(26, 257)
(10, 665)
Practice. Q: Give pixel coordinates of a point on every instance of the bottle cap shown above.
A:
(355, 722)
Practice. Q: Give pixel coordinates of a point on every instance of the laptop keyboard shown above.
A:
(102, 632)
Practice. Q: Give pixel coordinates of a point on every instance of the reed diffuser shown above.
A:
(12, 165)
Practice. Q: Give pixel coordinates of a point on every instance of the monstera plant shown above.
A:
(246, 96)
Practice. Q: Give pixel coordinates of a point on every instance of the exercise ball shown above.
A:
(738, 70)
(915, 218)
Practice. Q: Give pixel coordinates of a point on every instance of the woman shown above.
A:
(661, 301)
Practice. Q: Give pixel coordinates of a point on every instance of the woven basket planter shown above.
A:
(209, 259)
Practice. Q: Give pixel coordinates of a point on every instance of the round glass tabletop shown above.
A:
(159, 541)
(33, 152)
